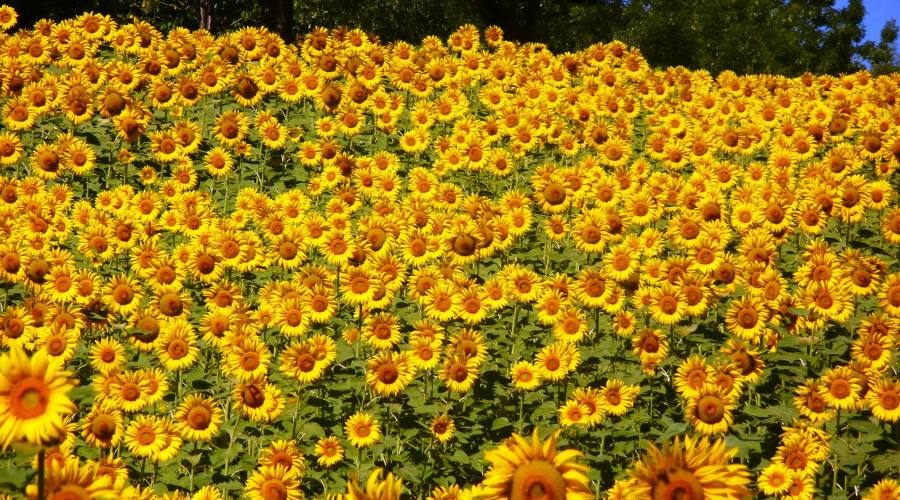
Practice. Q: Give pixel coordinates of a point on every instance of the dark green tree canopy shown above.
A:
(746, 36)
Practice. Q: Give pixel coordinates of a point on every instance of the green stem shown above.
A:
(837, 434)
(296, 412)
(41, 493)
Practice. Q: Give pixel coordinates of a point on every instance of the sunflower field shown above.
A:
(235, 267)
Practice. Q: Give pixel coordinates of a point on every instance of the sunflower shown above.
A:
(122, 295)
(389, 488)
(107, 355)
(520, 469)
(841, 388)
(177, 346)
(10, 148)
(145, 437)
(889, 295)
(525, 376)
(709, 411)
(103, 427)
(886, 488)
(329, 451)
(573, 413)
(388, 374)
(689, 468)
(300, 362)
(459, 373)
(691, 376)
(775, 479)
(277, 482)
(362, 430)
(33, 393)
(382, 330)
(746, 318)
(8, 17)
(667, 304)
(591, 288)
(70, 477)
(616, 398)
(218, 162)
(284, 453)
(128, 391)
(883, 398)
(198, 418)
(442, 428)
(258, 400)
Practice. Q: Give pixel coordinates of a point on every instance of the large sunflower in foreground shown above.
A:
(33, 400)
(535, 470)
(693, 468)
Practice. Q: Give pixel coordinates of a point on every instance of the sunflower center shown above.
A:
(668, 304)
(595, 287)
(108, 355)
(177, 349)
(171, 304)
(678, 484)
(840, 388)
(123, 294)
(552, 363)
(388, 374)
(747, 318)
(554, 193)
(306, 363)
(103, 427)
(710, 409)
(613, 397)
(253, 396)
(29, 398)
(250, 361)
(464, 245)
(130, 392)
(537, 480)
(816, 403)
(890, 400)
(199, 417)
(459, 373)
(145, 436)
(591, 234)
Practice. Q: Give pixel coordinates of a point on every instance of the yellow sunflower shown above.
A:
(33, 398)
(689, 468)
(520, 469)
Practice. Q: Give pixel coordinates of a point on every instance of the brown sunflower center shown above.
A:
(677, 483)
(103, 427)
(199, 417)
(889, 400)
(710, 409)
(537, 480)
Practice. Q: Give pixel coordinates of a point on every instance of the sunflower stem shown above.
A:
(834, 466)
(296, 413)
(521, 410)
(41, 493)
(515, 320)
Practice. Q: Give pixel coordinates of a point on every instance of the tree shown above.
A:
(882, 57)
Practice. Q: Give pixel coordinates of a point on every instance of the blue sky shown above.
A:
(877, 13)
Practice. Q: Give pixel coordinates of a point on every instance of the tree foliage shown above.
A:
(747, 36)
